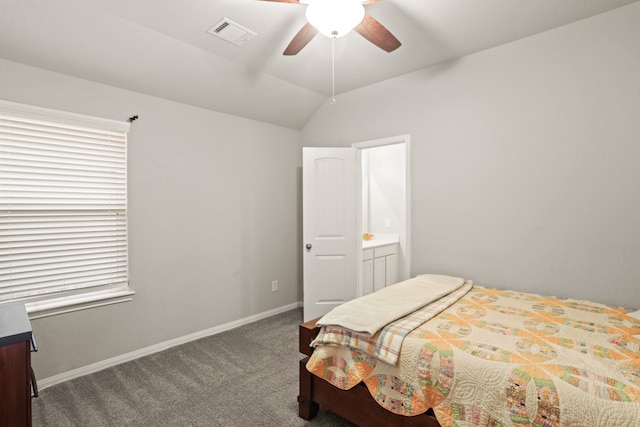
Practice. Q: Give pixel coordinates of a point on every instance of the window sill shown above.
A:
(53, 307)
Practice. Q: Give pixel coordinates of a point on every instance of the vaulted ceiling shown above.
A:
(162, 48)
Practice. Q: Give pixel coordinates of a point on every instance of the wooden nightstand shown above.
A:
(17, 379)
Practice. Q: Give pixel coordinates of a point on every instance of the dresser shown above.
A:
(17, 380)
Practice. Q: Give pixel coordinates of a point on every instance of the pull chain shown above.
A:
(333, 67)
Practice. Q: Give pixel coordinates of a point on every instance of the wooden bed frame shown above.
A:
(355, 405)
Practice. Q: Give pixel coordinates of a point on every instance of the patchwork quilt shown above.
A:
(385, 344)
(505, 358)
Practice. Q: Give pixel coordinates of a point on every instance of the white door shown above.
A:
(329, 228)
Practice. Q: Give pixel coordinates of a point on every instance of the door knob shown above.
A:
(308, 246)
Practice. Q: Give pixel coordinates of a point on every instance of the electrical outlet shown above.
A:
(274, 286)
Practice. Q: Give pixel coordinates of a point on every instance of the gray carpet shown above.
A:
(244, 377)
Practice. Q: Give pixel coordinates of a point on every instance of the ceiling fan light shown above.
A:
(335, 18)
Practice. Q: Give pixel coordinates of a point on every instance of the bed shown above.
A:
(474, 356)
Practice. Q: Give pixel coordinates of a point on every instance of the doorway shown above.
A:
(347, 191)
(383, 190)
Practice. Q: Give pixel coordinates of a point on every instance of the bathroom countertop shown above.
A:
(374, 243)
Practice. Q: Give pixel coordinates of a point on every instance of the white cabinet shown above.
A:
(379, 267)
(367, 271)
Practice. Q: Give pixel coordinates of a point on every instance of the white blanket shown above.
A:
(370, 313)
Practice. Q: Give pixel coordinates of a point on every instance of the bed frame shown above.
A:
(355, 405)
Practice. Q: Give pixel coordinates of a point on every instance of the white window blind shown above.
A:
(63, 208)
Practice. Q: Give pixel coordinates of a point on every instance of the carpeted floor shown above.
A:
(244, 377)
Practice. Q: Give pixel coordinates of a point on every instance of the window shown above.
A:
(63, 210)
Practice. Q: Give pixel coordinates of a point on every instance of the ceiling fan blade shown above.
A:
(284, 1)
(377, 34)
(304, 36)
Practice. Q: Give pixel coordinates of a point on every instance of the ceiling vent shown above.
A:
(234, 33)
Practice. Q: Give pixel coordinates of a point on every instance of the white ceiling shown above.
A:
(162, 48)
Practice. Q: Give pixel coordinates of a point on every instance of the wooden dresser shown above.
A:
(17, 380)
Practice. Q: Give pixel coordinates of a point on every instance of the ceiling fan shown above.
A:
(363, 24)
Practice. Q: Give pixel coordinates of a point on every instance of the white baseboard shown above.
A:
(98, 366)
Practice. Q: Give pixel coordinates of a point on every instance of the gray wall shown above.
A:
(524, 159)
(213, 213)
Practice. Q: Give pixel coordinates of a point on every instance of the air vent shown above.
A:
(234, 33)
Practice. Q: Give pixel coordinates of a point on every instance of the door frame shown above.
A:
(404, 240)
